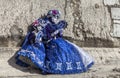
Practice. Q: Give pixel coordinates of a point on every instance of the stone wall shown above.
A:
(90, 22)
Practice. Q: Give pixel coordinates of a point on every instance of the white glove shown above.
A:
(56, 32)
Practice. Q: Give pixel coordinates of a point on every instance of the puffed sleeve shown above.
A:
(37, 33)
(39, 24)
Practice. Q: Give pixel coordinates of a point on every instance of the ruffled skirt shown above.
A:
(59, 56)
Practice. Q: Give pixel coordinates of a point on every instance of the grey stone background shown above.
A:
(90, 22)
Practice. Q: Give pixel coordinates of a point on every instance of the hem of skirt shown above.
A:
(45, 71)
(23, 64)
(90, 65)
(69, 72)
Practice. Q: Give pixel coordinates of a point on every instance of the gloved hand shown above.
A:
(56, 32)
(62, 24)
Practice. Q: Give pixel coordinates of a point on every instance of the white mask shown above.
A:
(55, 20)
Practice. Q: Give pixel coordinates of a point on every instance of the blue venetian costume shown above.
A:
(50, 52)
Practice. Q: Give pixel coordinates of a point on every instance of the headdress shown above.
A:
(53, 13)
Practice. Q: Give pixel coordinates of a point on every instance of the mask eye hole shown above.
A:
(57, 17)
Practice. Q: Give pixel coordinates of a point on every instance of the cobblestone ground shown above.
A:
(107, 65)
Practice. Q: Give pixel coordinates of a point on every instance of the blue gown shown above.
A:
(54, 54)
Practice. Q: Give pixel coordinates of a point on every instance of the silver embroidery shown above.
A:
(58, 66)
(32, 54)
(25, 50)
(78, 65)
(47, 64)
(69, 67)
(40, 62)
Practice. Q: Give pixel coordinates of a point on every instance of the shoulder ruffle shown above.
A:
(40, 23)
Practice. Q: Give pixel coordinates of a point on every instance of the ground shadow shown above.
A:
(93, 42)
(12, 60)
(30, 69)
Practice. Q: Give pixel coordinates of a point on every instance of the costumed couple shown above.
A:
(45, 47)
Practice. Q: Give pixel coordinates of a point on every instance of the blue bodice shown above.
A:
(48, 28)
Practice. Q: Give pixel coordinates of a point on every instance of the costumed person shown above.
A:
(48, 51)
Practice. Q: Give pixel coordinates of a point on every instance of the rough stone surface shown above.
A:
(89, 21)
(111, 2)
(115, 12)
(107, 65)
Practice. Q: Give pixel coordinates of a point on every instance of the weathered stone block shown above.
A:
(115, 13)
(116, 30)
(111, 2)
